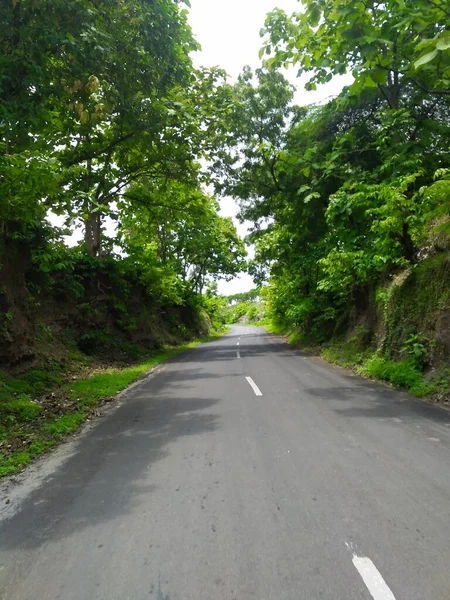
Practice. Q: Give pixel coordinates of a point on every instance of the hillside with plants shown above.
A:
(350, 200)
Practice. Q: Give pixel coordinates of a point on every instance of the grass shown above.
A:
(401, 374)
(346, 355)
(39, 408)
(406, 374)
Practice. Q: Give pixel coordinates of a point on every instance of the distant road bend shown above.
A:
(241, 469)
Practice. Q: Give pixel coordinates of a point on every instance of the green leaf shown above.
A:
(426, 58)
(302, 189)
(310, 197)
(443, 42)
(378, 76)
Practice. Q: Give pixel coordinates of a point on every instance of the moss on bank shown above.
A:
(417, 302)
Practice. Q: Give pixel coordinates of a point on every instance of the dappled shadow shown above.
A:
(221, 352)
(108, 474)
(368, 399)
(179, 378)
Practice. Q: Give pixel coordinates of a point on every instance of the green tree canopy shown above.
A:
(399, 46)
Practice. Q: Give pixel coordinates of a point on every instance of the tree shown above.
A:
(249, 138)
(175, 233)
(121, 125)
(104, 94)
(397, 47)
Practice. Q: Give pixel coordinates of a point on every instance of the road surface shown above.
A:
(240, 470)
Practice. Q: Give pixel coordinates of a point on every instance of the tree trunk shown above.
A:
(92, 234)
(16, 325)
(93, 222)
(408, 248)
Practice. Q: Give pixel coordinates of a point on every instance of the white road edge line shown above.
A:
(238, 354)
(254, 387)
(372, 578)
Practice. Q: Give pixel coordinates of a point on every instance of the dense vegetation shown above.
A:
(244, 307)
(350, 200)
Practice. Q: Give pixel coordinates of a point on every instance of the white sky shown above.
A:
(228, 31)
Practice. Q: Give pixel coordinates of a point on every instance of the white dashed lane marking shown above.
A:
(371, 576)
(254, 387)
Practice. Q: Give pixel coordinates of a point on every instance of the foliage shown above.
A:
(244, 306)
(403, 373)
(104, 125)
(348, 196)
(345, 195)
(179, 240)
(91, 342)
(391, 47)
(416, 347)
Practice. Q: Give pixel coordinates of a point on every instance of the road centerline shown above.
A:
(373, 579)
(254, 387)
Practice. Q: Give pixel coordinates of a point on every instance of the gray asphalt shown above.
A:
(195, 488)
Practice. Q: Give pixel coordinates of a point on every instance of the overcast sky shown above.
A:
(228, 31)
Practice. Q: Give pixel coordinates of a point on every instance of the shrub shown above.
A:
(416, 346)
(91, 342)
(404, 373)
(132, 350)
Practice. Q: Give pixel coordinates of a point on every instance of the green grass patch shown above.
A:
(34, 382)
(402, 374)
(277, 329)
(406, 374)
(29, 428)
(346, 355)
(261, 323)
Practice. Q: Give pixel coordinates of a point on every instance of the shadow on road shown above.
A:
(367, 399)
(108, 473)
(211, 353)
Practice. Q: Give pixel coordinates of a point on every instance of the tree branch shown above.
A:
(426, 90)
(96, 153)
(386, 97)
(439, 7)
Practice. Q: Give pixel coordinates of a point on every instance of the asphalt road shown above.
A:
(301, 483)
